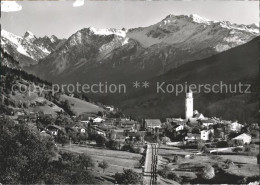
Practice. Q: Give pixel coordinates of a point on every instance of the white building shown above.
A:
(245, 138)
(98, 120)
(189, 105)
(208, 122)
(235, 126)
(205, 134)
(110, 108)
(178, 128)
(82, 130)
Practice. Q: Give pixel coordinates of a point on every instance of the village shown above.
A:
(194, 135)
(173, 131)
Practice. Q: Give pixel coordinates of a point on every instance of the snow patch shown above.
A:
(98, 31)
(21, 50)
(235, 39)
(11, 37)
(251, 29)
(125, 41)
(222, 47)
(45, 50)
(199, 19)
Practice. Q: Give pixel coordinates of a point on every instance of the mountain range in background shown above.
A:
(176, 49)
(29, 49)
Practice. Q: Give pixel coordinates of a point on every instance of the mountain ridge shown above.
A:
(27, 49)
(152, 50)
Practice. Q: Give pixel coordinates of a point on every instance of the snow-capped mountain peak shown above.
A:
(27, 49)
(194, 18)
(53, 38)
(29, 36)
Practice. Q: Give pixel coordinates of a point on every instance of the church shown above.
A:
(189, 113)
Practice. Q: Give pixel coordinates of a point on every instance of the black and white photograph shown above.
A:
(132, 92)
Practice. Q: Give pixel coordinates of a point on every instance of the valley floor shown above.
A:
(117, 160)
(189, 169)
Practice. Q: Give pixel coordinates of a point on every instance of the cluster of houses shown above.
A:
(205, 128)
(125, 128)
(196, 126)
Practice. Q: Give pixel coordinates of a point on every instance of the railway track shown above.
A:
(150, 171)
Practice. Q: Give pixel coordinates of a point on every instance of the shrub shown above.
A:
(216, 157)
(237, 142)
(104, 165)
(62, 139)
(137, 150)
(165, 140)
(101, 140)
(218, 167)
(175, 177)
(142, 160)
(247, 149)
(237, 149)
(175, 159)
(228, 163)
(129, 148)
(112, 144)
(208, 172)
(192, 156)
(222, 144)
(200, 145)
(205, 150)
(164, 172)
(243, 181)
(128, 177)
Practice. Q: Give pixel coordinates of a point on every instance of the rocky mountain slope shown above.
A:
(136, 53)
(29, 49)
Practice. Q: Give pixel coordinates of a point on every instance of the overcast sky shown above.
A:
(62, 19)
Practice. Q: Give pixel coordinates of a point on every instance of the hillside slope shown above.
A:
(236, 65)
(27, 93)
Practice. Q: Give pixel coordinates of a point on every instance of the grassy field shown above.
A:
(118, 160)
(80, 106)
(77, 105)
(48, 108)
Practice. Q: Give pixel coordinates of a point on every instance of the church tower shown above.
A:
(189, 105)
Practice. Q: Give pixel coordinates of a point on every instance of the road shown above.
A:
(150, 168)
(215, 150)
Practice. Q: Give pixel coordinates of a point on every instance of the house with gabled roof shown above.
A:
(55, 129)
(235, 126)
(153, 125)
(192, 137)
(206, 134)
(245, 138)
